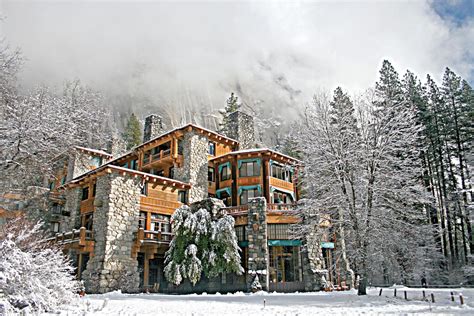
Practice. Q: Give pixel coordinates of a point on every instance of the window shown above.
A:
(249, 169)
(160, 173)
(96, 161)
(212, 149)
(94, 188)
(142, 220)
(85, 193)
(171, 173)
(144, 189)
(87, 221)
(224, 195)
(182, 196)
(248, 194)
(160, 223)
(63, 180)
(278, 231)
(55, 227)
(51, 185)
(280, 197)
(180, 147)
(282, 173)
(285, 264)
(134, 164)
(146, 157)
(211, 177)
(225, 173)
(240, 233)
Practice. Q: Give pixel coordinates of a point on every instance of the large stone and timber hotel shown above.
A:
(112, 214)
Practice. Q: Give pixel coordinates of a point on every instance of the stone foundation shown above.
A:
(115, 221)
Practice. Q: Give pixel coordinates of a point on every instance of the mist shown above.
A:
(170, 56)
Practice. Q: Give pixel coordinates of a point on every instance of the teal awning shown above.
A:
(327, 244)
(224, 165)
(273, 189)
(284, 242)
(218, 192)
(250, 187)
(243, 244)
(257, 160)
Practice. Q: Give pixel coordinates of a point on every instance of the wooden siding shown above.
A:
(282, 184)
(87, 205)
(156, 205)
(249, 181)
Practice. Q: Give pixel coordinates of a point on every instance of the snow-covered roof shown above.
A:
(94, 151)
(160, 179)
(254, 150)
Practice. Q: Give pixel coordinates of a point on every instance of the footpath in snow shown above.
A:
(322, 303)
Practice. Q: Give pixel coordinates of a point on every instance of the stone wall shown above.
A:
(153, 127)
(314, 273)
(115, 223)
(241, 128)
(72, 206)
(195, 165)
(78, 164)
(258, 260)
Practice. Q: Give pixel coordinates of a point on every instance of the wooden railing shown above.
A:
(158, 156)
(87, 205)
(281, 184)
(153, 203)
(153, 236)
(243, 209)
(279, 207)
(237, 210)
(80, 235)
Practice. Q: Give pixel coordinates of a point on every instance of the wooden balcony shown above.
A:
(282, 184)
(87, 205)
(81, 236)
(237, 210)
(151, 236)
(277, 209)
(249, 181)
(162, 156)
(155, 204)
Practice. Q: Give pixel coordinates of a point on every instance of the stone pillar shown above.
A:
(115, 223)
(153, 127)
(313, 267)
(72, 206)
(116, 146)
(258, 262)
(195, 165)
(241, 128)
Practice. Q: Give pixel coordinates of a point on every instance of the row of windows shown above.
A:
(282, 173)
(251, 169)
(158, 222)
(85, 192)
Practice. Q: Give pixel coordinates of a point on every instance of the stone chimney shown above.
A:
(153, 127)
(241, 128)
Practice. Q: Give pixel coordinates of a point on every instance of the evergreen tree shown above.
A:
(232, 105)
(133, 132)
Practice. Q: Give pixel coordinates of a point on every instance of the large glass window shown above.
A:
(249, 169)
(282, 197)
(282, 173)
(278, 231)
(248, 194)
(285, 264)
(160, 223)
(182, 196)
(142, 220)
(87, 221)
(225, 173)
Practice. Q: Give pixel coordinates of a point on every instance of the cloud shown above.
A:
(272, 53)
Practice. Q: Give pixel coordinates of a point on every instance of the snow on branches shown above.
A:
(202, 242)
(34, 275)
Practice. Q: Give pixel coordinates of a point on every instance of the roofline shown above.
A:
(143, 175)
(94, 151)
(256, 150)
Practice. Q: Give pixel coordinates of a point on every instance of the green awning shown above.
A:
(224, 165)
(284, 242)
(243, 244)
(250, 187)
(327, 244)
(218, 192)
(291, 193)
(257, 160)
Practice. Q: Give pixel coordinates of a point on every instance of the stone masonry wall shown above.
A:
(241, 128)
(195, 166)
(72, 205)
(313, 271)
(115, 223)
(258, 246)
(153, 127)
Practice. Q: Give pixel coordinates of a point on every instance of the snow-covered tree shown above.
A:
(362, 168)
(202, 243)
(35, 276)
(232, 105)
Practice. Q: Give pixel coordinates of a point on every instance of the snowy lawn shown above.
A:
(348, 302)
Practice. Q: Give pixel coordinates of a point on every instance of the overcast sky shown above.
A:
(278, 53)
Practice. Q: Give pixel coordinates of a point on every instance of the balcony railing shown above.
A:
(157, 156)
(77, 235)
(271, 207)
(151, 236)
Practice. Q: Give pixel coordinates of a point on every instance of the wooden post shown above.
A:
(452, 296)
(380, 293)
(79, 266)
(432, 298)
(424, 294)
(395, 292)
(461, 299)
(146, 271)
(406, 297)
(82, 236)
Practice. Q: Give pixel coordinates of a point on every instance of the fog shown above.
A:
(147, 56)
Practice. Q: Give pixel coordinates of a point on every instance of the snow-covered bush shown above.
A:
(34, 275)
(201, 243)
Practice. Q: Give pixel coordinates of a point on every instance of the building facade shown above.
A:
(112, 214)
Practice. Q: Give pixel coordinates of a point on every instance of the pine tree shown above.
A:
(232, 105)
(133, 132)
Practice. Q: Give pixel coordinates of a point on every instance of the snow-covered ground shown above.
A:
(321, 303)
